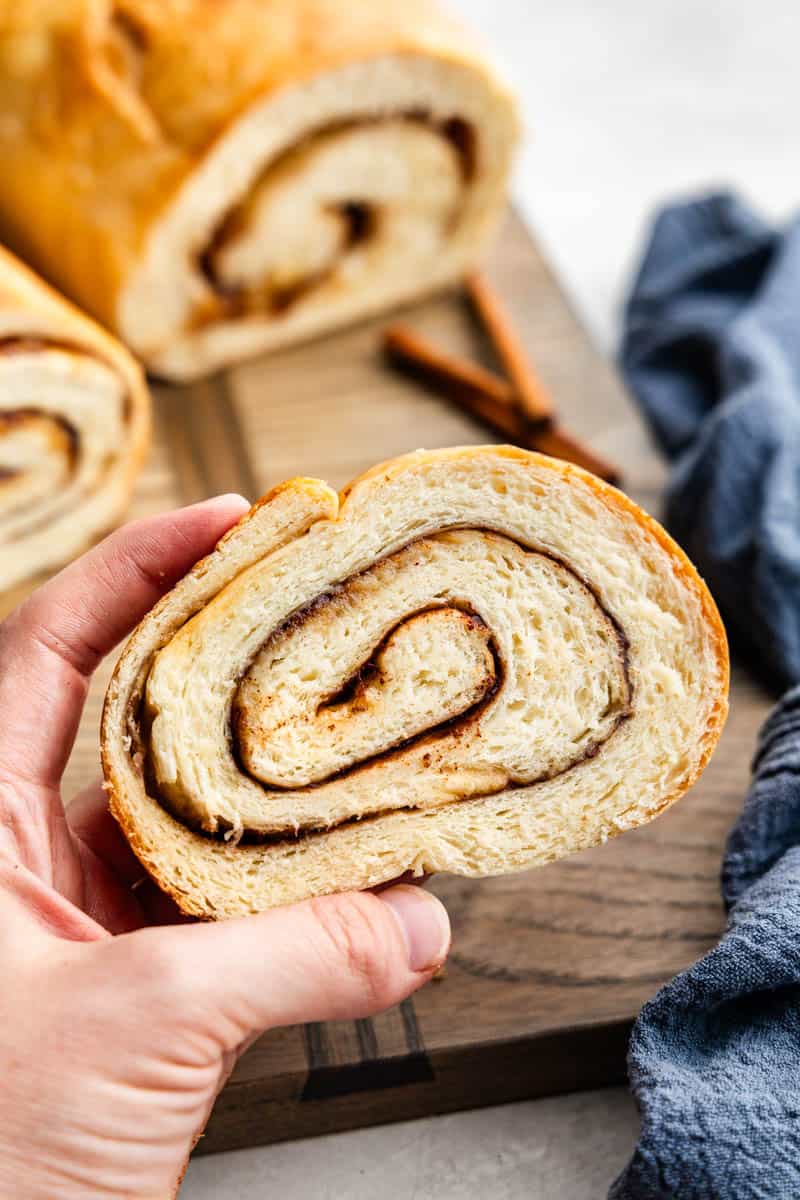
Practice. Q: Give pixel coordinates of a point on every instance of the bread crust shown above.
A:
(125, 108)
(212, 878)
(30, 307)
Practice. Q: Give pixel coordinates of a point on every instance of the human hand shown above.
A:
(120, 1021)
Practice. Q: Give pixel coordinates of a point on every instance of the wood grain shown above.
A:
(549, 967)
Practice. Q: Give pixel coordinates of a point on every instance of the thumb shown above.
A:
(335, 957)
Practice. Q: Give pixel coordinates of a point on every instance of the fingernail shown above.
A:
(425, 925)
(225, 500)
(231, 498)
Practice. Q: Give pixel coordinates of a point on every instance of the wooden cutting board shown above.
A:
(548, 968)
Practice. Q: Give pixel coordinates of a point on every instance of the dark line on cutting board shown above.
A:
(318, 1055)
(170, 401)
(495, 973)
(417, 1054)
(693, 847)
(604, 898)
(632, 869)
(367, 1039)
(413, 1035)
(634, 933)
(224, 396)
(326, 1080)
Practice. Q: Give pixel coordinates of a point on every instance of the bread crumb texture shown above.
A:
(476, 661)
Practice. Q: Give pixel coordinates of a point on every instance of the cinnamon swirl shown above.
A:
(74, 427)
(473, 661)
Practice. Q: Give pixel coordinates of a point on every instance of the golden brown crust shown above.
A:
(30, 307)
(116, 105)
(164, 842)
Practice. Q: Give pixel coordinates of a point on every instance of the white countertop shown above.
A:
(627, 103)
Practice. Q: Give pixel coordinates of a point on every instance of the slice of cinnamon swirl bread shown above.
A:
(475, 660)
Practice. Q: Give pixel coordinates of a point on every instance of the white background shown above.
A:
(626, 102)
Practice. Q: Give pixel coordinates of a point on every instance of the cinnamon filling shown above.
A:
(360, 221)
(353, 698)
(290, 732)
(41, 453)
(18, 343)
(41, 449)
(63, 435)
(55, 436)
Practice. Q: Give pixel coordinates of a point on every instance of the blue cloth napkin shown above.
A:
(714, 1059)
(712, 352)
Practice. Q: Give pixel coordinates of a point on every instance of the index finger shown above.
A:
(52, 643)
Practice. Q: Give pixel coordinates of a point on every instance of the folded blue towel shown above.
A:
(714, 1059)
(712, 352)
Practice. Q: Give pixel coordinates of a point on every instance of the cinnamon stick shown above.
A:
(487, 397)
(483, 394)
(531, 394)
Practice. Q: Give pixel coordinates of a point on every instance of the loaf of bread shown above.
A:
(215, 179)
(74, 428)
(474, 660)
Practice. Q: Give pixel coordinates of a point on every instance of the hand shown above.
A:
(117, 1029)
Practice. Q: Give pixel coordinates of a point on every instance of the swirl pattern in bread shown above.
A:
(247, 174)
(74, 427)
(474, 661)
